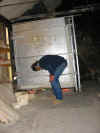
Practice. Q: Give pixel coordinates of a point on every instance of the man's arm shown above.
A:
(51, 78)
(51, 70)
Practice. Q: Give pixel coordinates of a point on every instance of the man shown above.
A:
(55, 65)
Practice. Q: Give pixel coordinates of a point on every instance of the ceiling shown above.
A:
(13, 9)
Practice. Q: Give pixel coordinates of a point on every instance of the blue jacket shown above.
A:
(51, 62)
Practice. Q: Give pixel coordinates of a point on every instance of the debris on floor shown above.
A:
(3, 118)
(23, 98)
(7, 113)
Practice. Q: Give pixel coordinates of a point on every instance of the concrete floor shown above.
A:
(79, 113)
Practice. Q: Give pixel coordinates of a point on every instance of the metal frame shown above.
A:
(78, 85)
(70, 22)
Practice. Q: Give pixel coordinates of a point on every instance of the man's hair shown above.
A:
(34, 65)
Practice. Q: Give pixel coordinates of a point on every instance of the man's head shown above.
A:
(35, 66)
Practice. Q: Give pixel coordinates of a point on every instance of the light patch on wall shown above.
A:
(38, 39)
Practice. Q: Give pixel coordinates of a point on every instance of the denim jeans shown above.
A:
(55, 83)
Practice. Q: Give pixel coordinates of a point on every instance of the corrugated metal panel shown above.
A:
(35, 39)
(26, 76)
(39, 24)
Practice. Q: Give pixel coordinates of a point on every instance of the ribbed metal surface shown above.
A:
(32, 40)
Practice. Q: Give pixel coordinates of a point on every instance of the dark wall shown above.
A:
(88, 41)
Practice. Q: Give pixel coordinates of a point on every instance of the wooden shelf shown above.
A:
(4, 50)
(4, 60)
(5, 65)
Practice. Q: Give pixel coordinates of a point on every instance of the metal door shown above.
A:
(34, 39)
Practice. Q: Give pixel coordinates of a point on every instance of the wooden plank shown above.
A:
(3, 60)
(4, 81)
(4, 50)
(5, 65)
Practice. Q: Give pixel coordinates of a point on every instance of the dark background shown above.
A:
(87, 27)
(88, 41)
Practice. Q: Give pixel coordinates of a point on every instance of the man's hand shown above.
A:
(51, 78)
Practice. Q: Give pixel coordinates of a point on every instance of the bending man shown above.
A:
(55, 65)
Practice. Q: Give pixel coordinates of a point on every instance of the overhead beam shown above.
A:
(74, 12)
(4, 20)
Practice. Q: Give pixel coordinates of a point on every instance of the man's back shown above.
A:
(51, 62)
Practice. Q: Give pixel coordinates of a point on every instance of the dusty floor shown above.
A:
(79, 113)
